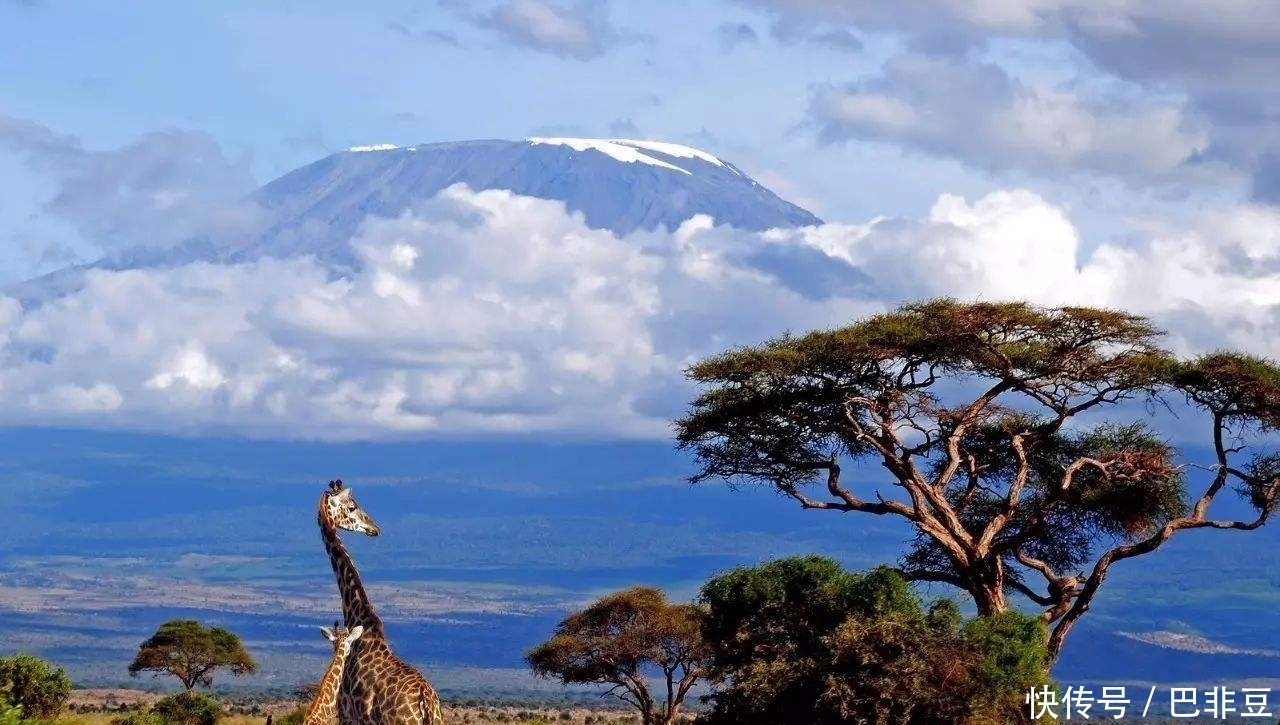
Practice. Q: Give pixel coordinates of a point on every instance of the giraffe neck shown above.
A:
(356, 609)
(325, 705)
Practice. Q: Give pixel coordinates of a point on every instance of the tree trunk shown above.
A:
(985, 583)
(1057, 636)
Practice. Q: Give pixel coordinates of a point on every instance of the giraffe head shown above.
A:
(342, 637)
(345, 513)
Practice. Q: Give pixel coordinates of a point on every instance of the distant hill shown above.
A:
(486, 544)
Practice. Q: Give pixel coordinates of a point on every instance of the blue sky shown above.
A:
(1121, 152)
(280, 84)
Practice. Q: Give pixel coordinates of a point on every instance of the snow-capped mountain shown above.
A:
(620, 185)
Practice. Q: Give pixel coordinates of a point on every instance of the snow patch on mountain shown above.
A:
(374, 147)
(675, 149)
(613, 149)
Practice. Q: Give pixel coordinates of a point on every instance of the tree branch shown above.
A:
(1196, 520)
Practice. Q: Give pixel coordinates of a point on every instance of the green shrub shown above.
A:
(34, 686)
(1009, 649)
(188, 708)
(800, 641)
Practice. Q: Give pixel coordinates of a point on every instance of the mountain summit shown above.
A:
(619, 185)
(616, 184)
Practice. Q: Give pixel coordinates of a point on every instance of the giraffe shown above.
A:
(378, 688)
(324, 707)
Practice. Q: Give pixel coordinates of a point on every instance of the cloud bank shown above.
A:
(1198, 76)
(488, 312)
(976, 112)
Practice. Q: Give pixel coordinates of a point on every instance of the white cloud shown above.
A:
(875, 109)
(164, 189)
(1215, 284)
(580, 32)
(1217, 59)
(485, 312)
(1009, 244)
(978, 113)
(190, 366)
(489, 312)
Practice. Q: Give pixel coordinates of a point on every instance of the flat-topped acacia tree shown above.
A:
(990, 420)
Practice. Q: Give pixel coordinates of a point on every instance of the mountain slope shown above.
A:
(617, 185)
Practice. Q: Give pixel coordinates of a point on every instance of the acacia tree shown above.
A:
(618, 640)
(191, 652)
(983, 416)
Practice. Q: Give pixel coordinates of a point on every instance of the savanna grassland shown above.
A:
(103, 706)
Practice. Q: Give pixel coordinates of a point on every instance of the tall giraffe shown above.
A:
(324, 706)
(378, 688)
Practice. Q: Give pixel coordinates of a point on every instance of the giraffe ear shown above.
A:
(355, 633)
(328, 634)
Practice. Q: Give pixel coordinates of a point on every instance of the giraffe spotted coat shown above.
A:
(324, 706)
(378, 688)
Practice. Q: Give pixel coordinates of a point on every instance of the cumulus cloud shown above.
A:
(1214, 284)
(164, 189)
(488, 312)
(481, 312)
(978, 113)
(581, 32)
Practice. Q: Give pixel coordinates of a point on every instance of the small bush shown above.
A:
(188, 708)
(34, 686)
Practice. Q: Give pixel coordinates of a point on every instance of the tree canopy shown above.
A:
(802, 641)
(988, 420)
(619, 641)
(191, 652)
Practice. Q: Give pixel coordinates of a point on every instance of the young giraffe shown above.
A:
(324, 707)
(378, 688)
